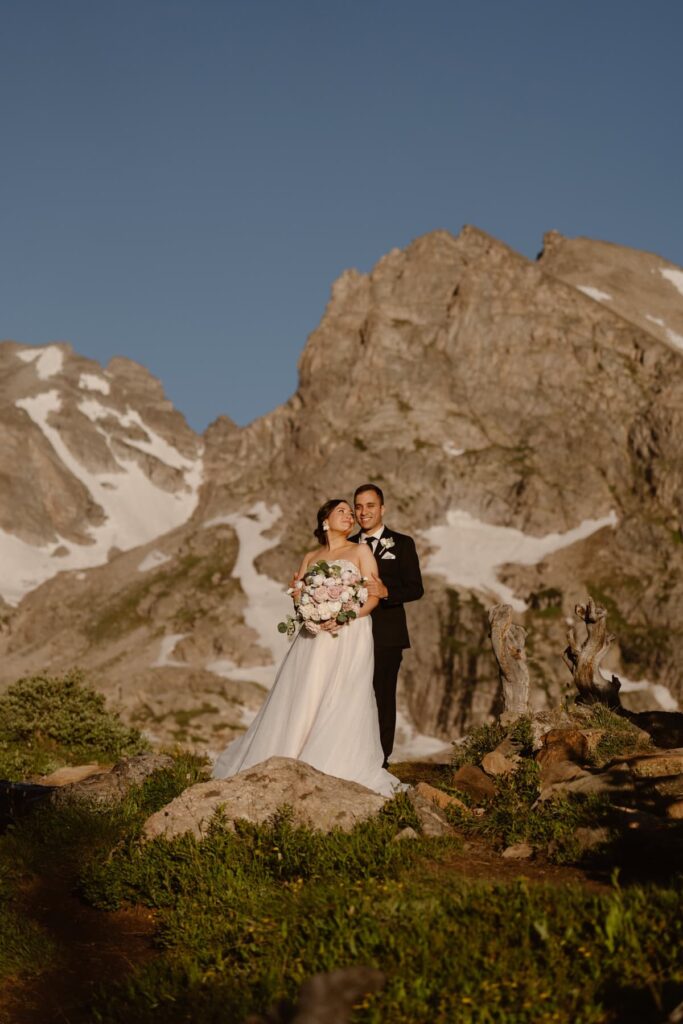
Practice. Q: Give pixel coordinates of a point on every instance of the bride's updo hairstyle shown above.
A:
(323, 512)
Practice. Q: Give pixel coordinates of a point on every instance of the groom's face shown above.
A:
(369, 511)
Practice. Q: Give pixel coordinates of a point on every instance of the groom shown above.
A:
(399, 581)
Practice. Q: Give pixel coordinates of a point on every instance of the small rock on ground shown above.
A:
(438, 797)
(113, 785)
(518, 851)
(405, 833)
(474, 782)
(433, 821)
(71, 773)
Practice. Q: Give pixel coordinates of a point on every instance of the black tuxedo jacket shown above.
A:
(402, 578)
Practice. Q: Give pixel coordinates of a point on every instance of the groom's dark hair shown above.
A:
(369, 487)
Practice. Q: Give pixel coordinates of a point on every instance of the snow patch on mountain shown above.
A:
(93, 382)
(674, 276)
(469, 552)
(594, 293)
(164, 658)
(267, 601)
(661, 694)
(153, 560)
(156, 445)
(136, 510)
(411, 744)
(48, 361)
(672, 336)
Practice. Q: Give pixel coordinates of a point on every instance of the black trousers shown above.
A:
(387, 664)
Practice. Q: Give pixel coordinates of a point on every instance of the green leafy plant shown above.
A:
(620, 736)
(48, 721)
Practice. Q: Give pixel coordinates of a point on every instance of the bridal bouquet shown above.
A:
(328, 591)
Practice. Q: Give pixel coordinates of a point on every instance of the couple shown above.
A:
(333, 703)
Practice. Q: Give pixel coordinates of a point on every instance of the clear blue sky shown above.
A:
(182, 180)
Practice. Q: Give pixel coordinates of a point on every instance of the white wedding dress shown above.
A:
(321, 710)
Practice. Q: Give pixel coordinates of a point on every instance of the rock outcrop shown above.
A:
(317, 800)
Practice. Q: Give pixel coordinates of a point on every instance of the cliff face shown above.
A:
(524, 428)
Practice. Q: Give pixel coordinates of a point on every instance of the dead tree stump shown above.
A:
(508, 639)
(584, 661)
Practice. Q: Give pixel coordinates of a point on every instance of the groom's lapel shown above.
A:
(386, 534)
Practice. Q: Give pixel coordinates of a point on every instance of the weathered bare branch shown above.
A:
(584, 661)
(508, 639)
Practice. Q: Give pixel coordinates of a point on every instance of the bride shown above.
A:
(322, 707)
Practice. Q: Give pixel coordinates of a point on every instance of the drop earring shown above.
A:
(325, 527)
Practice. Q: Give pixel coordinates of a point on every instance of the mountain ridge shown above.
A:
(525, 435)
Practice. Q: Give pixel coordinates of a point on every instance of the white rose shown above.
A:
(334, 606)
(317, 580)
(345, 596)
(362, 595)
(324, 611)
(305, 610)
(305, 599)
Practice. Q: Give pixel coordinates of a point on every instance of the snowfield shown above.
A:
(136, 510)
(468, 552)
(594, 293)
(48, 361)
(674, 276)
(267, 600)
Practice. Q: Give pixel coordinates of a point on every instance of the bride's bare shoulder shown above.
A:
(309, 558)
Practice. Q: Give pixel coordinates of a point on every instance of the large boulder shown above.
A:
(317, 800)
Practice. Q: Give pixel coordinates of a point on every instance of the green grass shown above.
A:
(621, 737)
(244, 918)
(70, 838)
(24, 946)
(485, 738)
(50, 721)
(514, 816)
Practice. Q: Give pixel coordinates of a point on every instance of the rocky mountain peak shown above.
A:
(93, 461)
(522, 416)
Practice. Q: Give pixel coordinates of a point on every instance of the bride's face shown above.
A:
(340, 518)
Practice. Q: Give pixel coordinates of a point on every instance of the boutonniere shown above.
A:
(386, 543)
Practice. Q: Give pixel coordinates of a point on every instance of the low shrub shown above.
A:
(515, 815)
(245, 917)
(49, 721)
(485, 738)
(620, 737)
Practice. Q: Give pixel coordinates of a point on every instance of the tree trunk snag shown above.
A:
(584, 661)
(508, 639)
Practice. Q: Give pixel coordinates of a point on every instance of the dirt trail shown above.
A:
(94, 947)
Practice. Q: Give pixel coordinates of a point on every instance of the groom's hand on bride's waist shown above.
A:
(375, 587)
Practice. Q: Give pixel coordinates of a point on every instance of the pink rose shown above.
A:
(320, 594)
(334, 593)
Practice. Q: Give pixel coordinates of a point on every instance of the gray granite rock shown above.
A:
(317, 800)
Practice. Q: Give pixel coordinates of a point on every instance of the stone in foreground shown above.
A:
(317, 800)
(518, 851)
(110, 786)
